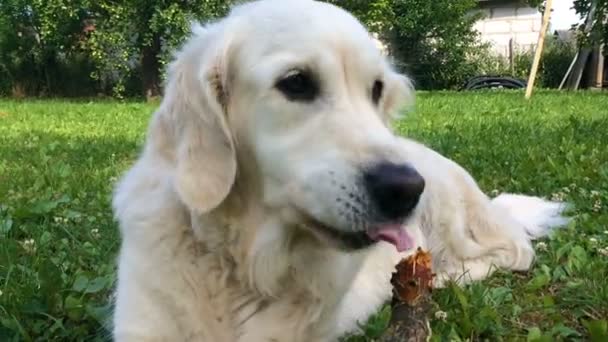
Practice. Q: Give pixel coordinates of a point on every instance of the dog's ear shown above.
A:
(399, 96)
(192, 120)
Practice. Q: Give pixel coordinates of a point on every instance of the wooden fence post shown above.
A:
(539, 47)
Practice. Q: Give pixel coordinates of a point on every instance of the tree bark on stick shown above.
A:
(412, 303)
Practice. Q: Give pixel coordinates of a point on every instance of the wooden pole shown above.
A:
(539, 47)
(599, 71)
(561, 85)
(579, 68)
(583, 54)
(511, 57)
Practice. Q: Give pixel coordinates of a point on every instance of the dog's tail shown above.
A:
(536, 215)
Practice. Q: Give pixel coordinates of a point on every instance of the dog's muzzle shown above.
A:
(395, 190)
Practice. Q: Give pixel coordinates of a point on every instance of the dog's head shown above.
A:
(292, 101)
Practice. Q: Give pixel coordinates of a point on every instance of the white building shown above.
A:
(507, 21)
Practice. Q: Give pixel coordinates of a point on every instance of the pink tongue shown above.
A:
(394, 234)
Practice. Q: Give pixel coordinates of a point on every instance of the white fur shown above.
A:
(468, 233)
(537, 215)
(215, 215)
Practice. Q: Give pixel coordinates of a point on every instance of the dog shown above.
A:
(272, 200)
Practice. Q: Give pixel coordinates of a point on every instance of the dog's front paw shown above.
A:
(522, 258)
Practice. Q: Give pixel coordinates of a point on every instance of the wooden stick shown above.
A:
(599, 71)
(412, 303)
(579, 68)
(561, 85)
(539, 48)
(511, 57)
(575, 72)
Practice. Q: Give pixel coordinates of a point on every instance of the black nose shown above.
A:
(394, 188)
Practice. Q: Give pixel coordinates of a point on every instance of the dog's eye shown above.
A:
(298, 85)
(377, 91)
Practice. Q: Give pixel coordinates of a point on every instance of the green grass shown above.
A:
(58, 241)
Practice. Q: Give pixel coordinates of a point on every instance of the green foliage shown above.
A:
(140, 35)
(86, 47)
(377, 15)
(557, 56)
(535, 3)
(598, 33)
(38, 42)
(431, 40)
(434, 42)
(55, 47)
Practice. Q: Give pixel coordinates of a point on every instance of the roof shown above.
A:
(565, 35)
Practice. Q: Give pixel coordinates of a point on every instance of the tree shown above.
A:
(36, 36)
(535, 3)
(431, 40)
(598, 32)
(139, 35)
(375, 14)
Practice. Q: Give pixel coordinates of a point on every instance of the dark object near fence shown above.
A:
(494, 82)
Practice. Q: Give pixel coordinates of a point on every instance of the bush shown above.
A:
(430, 40)
(44, 50)
(557, 56)
(435, 43)
(433, 40)
(555, 62)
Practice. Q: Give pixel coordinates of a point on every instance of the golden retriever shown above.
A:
(271, 200)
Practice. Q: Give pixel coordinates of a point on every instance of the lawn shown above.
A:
(58, 241)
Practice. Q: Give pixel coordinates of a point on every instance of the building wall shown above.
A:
(506, 21)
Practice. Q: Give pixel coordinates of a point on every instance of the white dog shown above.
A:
(270, 200)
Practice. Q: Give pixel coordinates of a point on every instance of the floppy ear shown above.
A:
(193, 112)
(399, 95)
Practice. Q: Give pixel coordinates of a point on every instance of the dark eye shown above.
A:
(377, 91)
(298, 85)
